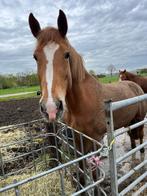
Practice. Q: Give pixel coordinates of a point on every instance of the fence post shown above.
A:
(17, 193)
(111, 146)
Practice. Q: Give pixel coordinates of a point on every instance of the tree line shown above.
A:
(18, 80)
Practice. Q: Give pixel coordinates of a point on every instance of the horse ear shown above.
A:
(34, 25)
(62, 23)
(124, 71)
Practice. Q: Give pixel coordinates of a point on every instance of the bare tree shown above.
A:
(111, 69)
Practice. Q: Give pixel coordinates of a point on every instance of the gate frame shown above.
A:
(78, 156)
(109, 108)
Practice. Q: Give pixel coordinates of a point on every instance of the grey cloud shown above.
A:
(103, 32)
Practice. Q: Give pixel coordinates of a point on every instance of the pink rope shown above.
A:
(94, 162)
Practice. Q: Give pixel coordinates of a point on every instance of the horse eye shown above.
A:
(66, 55)
(35, 57)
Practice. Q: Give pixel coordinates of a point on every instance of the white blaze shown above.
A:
(49, 51)
(120, 77)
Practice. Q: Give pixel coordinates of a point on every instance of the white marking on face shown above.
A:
(49, 51)
(120, 77)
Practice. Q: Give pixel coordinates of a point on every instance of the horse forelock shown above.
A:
(49, 34)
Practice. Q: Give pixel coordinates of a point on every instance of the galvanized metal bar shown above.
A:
(88, 178)
(82, 150)
(140, 190)
(63, 166)
(97, 171)
(32, 149)
(26, 140)
(23, 169)
(72, 147)
(102, 191)
(25, 154)
(131, 172)
(75, 156)
(17, 193)
(133, 184)
(50, 171)
(76, 180)
(19, 125)
(124, 130)
(112, 150)
(2, 164)
(67, 140)
(120, 104)
(131, 152)
(44, 153)
(56, 142)
(62, 183)
(91, 185)
(86, 136)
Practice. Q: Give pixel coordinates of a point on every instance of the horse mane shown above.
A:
(76, 62)
(78, 70)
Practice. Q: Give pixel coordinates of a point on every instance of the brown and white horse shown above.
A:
(69, 89)
(141, 81)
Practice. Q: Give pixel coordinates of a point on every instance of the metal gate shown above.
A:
(26, 167)
(115, 182)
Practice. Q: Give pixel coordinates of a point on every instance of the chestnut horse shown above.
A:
(141, 81)
(68, 90)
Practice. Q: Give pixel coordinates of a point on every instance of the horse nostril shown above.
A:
(59, 105)
(43, 110)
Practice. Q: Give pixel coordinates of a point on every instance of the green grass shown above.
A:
(32, 95)
(18, 90)
(106, 79)
(109, 79)
(143, 74)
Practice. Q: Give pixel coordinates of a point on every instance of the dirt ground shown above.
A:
(18, 111)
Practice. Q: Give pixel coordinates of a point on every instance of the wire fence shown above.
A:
(44, 159)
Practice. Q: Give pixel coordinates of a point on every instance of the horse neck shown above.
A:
(82, 84)
(76, 98)
(131, 76)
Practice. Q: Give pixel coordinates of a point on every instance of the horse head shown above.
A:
(122, 75)
(52, 54)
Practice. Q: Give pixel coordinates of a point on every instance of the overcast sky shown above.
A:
(103, 32)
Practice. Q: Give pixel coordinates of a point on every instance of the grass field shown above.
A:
(33, 89)
(109, 79)
(16, 97)
(18, 90)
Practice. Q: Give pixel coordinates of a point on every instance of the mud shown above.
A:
(19, 111)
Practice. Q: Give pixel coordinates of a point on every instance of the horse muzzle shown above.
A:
(52, 111)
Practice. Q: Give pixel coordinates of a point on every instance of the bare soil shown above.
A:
(19, 111)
